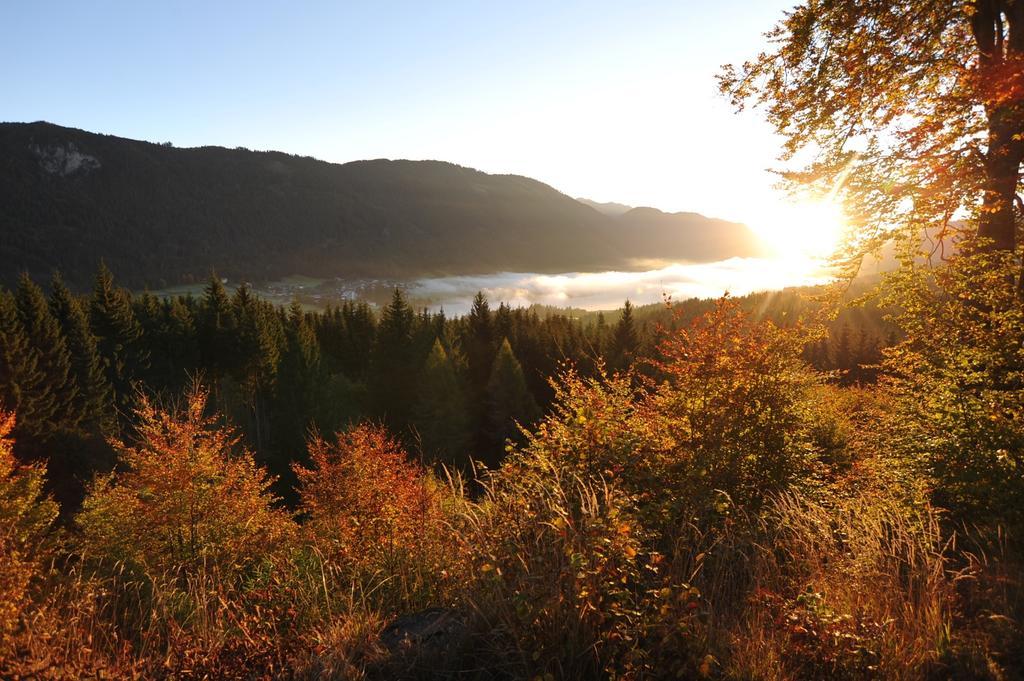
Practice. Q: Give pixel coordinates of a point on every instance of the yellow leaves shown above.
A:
(185, 497)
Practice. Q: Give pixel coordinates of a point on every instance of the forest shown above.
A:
(453, 390)
(215, 486)
(815, 483)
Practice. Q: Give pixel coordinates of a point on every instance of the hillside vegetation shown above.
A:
(161, 216)
(695, 500)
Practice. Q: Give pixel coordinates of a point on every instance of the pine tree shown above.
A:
(479, 342)
(52, 358)
(93, 393)
(440, 416)
(360, 335)
(300, 385)
(394, 368)
(508, 400)
(22, 384)
(625, 341)
(259, 338)
(216, 328)
(119, 338)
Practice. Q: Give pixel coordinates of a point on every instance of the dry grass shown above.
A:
(862, 591)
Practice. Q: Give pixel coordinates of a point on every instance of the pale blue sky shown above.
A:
(610, 100)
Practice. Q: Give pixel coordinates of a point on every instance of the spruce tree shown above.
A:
(599, 336)
(330, 335)
(216, 328)
(479, 342)
(508, 401)
(394, 368)
(503, 327)
(625, 341)
(93, 393)
(360, 336)
(441, 416)
(22, 384)
(300, 385)
(259, 338)
(52, 357)
(842, 349)
(119, 338)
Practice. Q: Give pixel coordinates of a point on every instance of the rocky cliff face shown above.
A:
(64, 159)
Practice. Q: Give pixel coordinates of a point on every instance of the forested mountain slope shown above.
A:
(160, 215)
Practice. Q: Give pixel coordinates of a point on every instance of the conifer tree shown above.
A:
(441, 416)
(625, 341)
(330, 336)
(170, 335)
(118, 335)
(599, 336)
(479, 343)
(842, 349)
(22, 384)
(360, 334)
(93, 393)
(503, 322)
(300, 384)
(259, 339)
(394, 368)
(508, 399)
(52, 358)
(216, 330)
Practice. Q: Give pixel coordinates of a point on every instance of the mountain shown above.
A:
(160, 215)
(608, 207)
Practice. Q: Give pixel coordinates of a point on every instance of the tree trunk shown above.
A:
(997, 222)
(998, 28)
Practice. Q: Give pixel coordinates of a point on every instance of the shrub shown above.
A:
(738, 402)
(186, 497)
(374, 514)
(957, 383)
(25, 519)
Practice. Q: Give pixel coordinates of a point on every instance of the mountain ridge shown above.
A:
(161, 215)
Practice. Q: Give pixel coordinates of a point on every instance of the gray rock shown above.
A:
(433, 633)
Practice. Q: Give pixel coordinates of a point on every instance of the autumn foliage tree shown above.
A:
(737, 401)
(25, 517)
(366, 504)
(913, 109)
(186, 496)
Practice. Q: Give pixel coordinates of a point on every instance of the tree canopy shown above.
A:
(911, 111)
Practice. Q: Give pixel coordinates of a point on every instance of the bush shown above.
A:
(186, 498)
(25, 519)
(374, 515)
(957, 383)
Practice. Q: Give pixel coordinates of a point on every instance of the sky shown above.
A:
(614, 101)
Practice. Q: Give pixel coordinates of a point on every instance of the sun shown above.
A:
(804, 230)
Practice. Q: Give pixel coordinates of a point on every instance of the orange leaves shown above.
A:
(736, 401)
(25, 517)
(187, 496)
(365, 499)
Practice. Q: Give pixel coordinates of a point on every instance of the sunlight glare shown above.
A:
(809, 231)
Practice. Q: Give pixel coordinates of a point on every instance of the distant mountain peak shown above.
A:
(608, 207)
